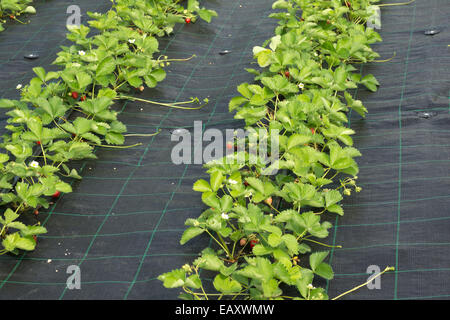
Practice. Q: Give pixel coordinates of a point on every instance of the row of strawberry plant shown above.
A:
(62, 115)
(12, 9)
(265, 228)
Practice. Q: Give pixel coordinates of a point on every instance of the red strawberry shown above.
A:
(313, 131)
(75, 95)
(83, 98)
(188, 20)
(11, 17)
(35, 238)
(348, 4)
(246, 183)
(253, 242)
(36, 212)
(242, 242)
(287, 74)
(38, 142)
(56, 194)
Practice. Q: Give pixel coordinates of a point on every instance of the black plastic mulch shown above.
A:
(123, 222)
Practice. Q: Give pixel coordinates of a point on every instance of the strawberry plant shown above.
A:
(62, 115)
(267, 229)
(11, 9)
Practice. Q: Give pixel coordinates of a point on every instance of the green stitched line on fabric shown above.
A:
(400, 155)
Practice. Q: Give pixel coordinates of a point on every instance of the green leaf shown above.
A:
(335, 208)
(194, 281)
(325, 271)
(202, 186)
(106, 67)
(297, 139)
(274, 240)
(190, 233)
(114, 138)
(316, 258)
(216, 180)
(173, 279)
(370, 82)
(9, 243)
(271, 289)
(25, 244)
(291, 243)
(226, 285)
(263, 56)
(318, 266)
(210, 199)
(332, 197)
(207, 14)
(17, 225)
(236, 102)
(63, 187)
(158, 74)
(10, 216)
(40, 72)
(32, 231)
(280, 4)
(209, 261)
(260, 250)
(255, 183)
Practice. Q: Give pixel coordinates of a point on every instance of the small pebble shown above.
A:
(31, 56)
(49, 260)
(432, 32)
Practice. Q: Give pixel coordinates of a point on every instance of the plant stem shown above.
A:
(322, 244)
(365, 283)
(117, 147)
(170, 105)
(396, 4)
(224, 248)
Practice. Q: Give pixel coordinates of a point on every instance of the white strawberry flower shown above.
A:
(231, 181)
(19, 86)
(310, 286)
(81, 53)
(131, 40)
(225, 216)
(34, 164)
(301, 85)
